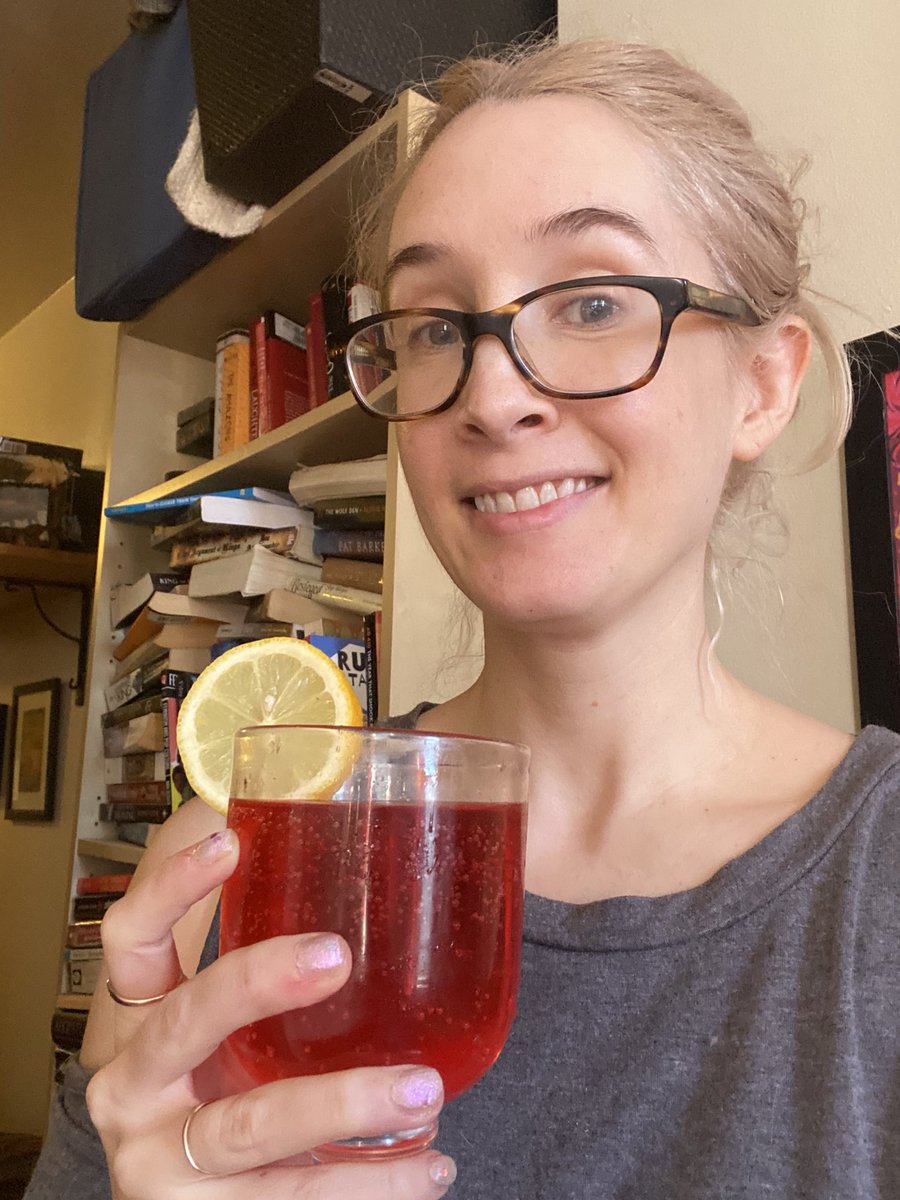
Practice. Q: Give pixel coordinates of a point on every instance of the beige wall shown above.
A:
(817, 78)
(57, 385)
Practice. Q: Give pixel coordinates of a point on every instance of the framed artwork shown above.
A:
(872, 472)
(34, 749)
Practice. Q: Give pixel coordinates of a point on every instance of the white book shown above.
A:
(333, 481)
(179, 606)
(252, 573)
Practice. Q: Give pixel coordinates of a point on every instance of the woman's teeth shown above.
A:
(531, 497)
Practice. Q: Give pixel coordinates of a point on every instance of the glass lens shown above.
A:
(589, 339)
(406, 365)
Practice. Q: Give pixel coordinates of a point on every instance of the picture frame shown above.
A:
(33, 751)
(872, 476)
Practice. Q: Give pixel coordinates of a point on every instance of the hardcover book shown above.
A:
(367, 544)
(282, 383)
(352, 512)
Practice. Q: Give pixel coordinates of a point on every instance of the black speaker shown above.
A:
(282, 85)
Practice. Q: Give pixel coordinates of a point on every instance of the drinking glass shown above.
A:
(414, 855)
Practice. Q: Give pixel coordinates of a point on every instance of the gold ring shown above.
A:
(127, 1002)
(184, 1138)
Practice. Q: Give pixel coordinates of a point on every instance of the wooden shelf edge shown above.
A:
(35, 564)
(123, 852)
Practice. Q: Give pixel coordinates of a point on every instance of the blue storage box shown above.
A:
(132, 243)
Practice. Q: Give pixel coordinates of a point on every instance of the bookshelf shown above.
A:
(165, 361)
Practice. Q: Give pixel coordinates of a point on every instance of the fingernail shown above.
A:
(217, 845)
(417, 1088)
(443, 1171)
(321, 953)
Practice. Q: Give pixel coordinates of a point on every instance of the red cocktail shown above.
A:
(417, 861)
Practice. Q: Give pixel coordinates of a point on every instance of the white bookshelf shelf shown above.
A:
(336, 431)
(121, 852)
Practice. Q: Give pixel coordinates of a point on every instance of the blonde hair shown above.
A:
(727, 188)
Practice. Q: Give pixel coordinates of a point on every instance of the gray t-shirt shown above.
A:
(738, 1040)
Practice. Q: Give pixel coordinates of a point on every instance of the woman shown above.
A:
(707, 973)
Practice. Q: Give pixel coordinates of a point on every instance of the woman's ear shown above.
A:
(776, 371)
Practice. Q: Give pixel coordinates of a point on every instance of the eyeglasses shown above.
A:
(577, 340)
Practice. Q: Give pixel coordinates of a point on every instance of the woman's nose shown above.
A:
(497, 400)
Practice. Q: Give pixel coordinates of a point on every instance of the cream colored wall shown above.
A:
(56, 385)
(820, 79)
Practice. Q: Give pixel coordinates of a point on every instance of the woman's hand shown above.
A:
(168, 1061)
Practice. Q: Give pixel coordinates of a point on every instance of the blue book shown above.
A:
(249, 506)
(349, 654)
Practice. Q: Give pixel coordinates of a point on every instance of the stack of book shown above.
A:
(277, 368)
(243, 566)
(83, 955)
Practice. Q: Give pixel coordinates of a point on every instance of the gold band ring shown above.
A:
(185, 1129)
(127, 1002)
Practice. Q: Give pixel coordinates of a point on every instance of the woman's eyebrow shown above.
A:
(574, 221)
(570, 222)
(419, 254)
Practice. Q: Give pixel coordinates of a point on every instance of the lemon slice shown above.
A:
(274, 681)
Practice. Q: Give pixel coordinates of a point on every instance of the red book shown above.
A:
(106, 885)
(255, 325)
(316, 353)
(282, 381)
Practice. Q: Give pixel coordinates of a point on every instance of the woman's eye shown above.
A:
(590, 310)
(433, 335)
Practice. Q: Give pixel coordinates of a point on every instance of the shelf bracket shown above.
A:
(85, 596)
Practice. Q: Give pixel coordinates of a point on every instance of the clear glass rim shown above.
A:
(370, 730)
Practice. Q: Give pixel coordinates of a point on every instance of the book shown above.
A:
(175, 686)
(145, 654)
(366, 544)
(141, 630)
(250, 511)
(179, 659)
(137, 833)
(123, 811)
(296, 541)
(293, 609)
(282, 385)
(137, 791)
(135, 768)
(329, 481)
(126, 712)
(336, 595)
(335, 316)
(136, 683)
(80, 934)
(179, 606)
(92, 885)
(316, 351)
(67, 1026)
(127, 599)
(92, 908)
(351, 512)
(349, 656)
(180, 634)
(83, 967)
(202, 408)
(355, 573)
(371, 641)
(364, 301)
(150, 512)
(196, 436)
(140, 735)
(231, 425)
(252, 573)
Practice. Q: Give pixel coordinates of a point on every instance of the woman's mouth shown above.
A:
(534, 495)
